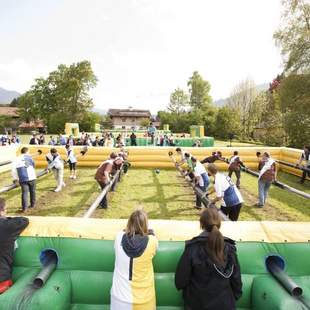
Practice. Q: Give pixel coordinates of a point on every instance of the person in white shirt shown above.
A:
(226, 192)
(201, 179)
(56, 164)
(72, 160)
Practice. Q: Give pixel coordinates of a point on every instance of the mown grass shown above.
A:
(163, 196)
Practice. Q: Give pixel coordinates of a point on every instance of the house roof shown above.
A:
(32, 124)
(129, 113)
(9, 111)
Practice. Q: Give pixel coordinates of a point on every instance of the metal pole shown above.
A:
(292, 165)
(14, 185)
(276, 183)
(104, 192)
(203, 195)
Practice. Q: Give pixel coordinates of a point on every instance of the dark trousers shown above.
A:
(104, 202)
(237, 174)
(133, 143)
(304, 175)
(126, 166)
(30, 187)
(232, 212)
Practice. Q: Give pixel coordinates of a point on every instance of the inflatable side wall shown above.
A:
(83, 277)
(157, 157)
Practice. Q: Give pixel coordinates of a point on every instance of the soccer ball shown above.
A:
(157, 171)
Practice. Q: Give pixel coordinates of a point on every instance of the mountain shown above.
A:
(221, 102)
(6, 96)
(99, 111)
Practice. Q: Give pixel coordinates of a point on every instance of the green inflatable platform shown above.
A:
(83, 278)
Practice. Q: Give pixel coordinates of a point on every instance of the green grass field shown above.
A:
(163, 196)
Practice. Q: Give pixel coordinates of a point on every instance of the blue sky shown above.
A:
(140, 50)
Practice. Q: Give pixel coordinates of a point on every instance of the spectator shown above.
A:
(133, 139)
(62, 140)
(267, 175)
(109, 142)
(41, 139)
(226, 192)
(70, 141)
(52, 141)
(10, 228)
(133, 277)
(23, 170)
(208, 271)
(34, 140)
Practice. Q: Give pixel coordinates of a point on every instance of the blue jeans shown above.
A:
(263, 188)
(206, 182)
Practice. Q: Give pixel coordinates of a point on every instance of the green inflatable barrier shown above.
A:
(83, 277)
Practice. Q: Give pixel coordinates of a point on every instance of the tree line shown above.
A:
(279, 115)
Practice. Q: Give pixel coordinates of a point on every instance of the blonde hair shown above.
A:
(137, 223)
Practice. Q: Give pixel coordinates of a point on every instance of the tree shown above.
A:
(293, 36)
(199, 91)
(294, 99)
(242, 101)
(89, 120)
(227, 122)
(178, 101)
(63, 95)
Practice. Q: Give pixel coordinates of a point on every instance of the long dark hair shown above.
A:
(211, 222)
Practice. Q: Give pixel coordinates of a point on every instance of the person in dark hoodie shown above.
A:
(208, 272)
(133, 278)
(10, 228)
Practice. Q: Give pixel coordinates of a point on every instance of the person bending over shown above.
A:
(267, 175)
(10, 228)
(235, 165)
(208, 271)
(23, 171)
(226, 192)
(304, 162)
(103, 176)
(56, 164)
(201, 178)
(72, 161)
(133, 277)
(213, 158)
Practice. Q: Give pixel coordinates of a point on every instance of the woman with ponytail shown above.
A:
(208, 272)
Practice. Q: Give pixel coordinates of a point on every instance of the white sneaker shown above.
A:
(58, 189)
(71, 177)
(74, 177)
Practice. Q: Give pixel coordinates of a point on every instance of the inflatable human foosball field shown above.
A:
(82, 256)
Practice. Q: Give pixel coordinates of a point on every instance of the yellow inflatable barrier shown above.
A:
(157, 157)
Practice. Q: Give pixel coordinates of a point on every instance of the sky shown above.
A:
(140, 50)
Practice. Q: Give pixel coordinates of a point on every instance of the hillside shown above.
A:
(6, 96)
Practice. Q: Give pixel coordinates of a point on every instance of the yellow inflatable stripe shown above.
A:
(182, 230)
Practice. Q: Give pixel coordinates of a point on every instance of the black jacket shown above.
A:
(10, 228)
(205, 285)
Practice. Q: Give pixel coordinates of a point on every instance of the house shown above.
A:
(129, 118)
(32, 126)
(9, 112)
